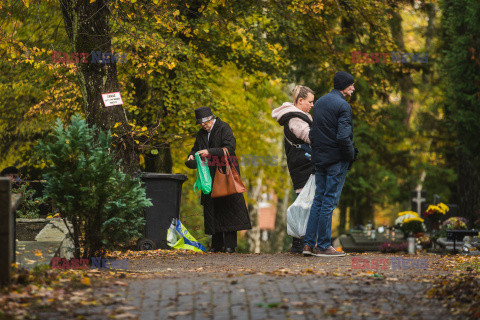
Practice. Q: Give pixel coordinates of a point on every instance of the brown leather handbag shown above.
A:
(228, 183)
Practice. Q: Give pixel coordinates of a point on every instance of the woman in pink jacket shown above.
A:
(296, 121)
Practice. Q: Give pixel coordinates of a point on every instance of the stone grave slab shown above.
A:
(360, 242)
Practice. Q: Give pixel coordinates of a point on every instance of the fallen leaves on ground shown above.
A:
(44, 290)
(459, 263)
(157, 254)
(64, 291)
(460, 290)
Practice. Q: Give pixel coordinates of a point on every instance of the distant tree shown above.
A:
(461, 66)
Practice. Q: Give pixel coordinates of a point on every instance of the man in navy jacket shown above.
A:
(331, 137)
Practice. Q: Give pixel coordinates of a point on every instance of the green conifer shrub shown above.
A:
(103, 205)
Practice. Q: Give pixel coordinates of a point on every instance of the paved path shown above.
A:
(273, 297)
(181, 264)
(263, 286)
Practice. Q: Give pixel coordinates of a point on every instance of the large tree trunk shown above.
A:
(361, 212)
(405, 80)
(87, 26)
(469, 187)
(429, 35)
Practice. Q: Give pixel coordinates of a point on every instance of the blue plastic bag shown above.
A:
(178, 237)
(204, 180)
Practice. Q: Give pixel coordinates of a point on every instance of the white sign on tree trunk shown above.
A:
(112, 99)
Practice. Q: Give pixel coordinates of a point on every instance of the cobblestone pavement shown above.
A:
(273, 297)
(238, 286)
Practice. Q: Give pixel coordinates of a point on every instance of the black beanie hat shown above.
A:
(203, 114)
(342, 80)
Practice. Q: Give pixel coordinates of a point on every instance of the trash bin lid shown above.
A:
(163, 176)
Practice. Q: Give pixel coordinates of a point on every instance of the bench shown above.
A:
(458, 235)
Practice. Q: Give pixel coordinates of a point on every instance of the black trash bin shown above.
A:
(165, 191)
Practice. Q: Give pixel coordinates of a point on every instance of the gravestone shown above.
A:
(359, 241)
(417, 200)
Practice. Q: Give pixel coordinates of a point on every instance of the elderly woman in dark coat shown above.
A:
(223, 216)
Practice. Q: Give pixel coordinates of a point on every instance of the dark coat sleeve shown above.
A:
(345, 133)
(228, 141)
(195, 148)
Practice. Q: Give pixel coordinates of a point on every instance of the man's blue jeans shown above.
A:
(329, 184)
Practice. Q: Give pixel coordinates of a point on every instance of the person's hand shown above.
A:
(191, 157)
(203, 152)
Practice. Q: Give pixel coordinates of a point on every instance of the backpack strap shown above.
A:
(290, 138)
(298, 146)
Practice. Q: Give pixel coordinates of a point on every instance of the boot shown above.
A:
(297, 246)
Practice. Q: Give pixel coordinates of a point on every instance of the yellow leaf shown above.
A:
(176, 12)
(117, 124)
(85, 281)
(92, 1)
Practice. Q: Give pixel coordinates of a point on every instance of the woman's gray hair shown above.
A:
(300, 92)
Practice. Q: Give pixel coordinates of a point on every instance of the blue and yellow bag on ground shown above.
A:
(178, 237)
(204, 180)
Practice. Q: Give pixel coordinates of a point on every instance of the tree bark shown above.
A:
(87, 26)
(429, 34)
(469, 187)
(405, 81)
(253, 235)
(361, 212)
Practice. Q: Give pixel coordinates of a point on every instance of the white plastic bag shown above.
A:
(299, 211)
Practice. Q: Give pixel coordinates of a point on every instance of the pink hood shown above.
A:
(297, 126)
(286, 107)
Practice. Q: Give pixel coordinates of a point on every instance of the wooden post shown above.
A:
(6, 231)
